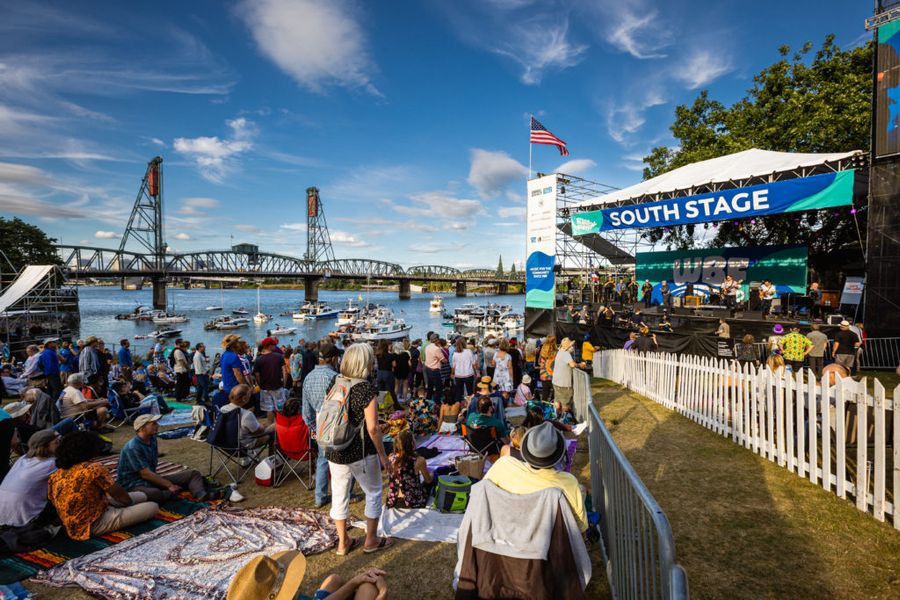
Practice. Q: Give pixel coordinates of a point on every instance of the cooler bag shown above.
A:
(452, 493)
(267, 471)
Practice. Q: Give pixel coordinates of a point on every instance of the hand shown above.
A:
(173, 488)
(368, 576)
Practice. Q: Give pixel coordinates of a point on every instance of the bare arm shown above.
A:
(118, 493)
(371, 414)
(239, 375)
(148, 475)
(422, 469)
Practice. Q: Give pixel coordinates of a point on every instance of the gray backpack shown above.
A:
(334, 431)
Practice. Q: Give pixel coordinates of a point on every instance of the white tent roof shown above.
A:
(742, 165)
(24, 283)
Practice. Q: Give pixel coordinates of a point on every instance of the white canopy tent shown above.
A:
(24, 283)
(748, 164)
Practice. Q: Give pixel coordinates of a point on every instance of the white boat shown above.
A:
(168, 319)
(227, 326)
(315, 310)
(260, 317)
(215, 308)
(227, 320)
(221, 305)
(279, 330)
(349, 314)
(242, 312)
(168, 332)
(388, 330)
(437, 305)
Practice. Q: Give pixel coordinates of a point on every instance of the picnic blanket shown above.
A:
(179, 416)
(163, 469)
(26, 564)
(450, 446)
(420, 524)
(195, 557)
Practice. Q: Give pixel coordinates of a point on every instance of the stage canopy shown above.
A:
(733, 170)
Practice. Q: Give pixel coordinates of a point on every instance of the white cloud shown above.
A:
(511, 211)
(538, 46)
(294, 226)
(627, 117)
(215, 158)
(181, 236)
(193, 206)
(247, 228)
(576, 166)
(317, 43)
(491, 171)
(440, 204)
(703, 67)
(636, 34)
(343, 238)
(633, 162)
(158, 142)
(106, 235)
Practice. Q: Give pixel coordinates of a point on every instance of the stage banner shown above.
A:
(887, 90)
(705, 269)
(540, 246)
(805, 193)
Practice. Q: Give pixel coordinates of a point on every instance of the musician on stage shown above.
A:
(815, 300)
(767, 294)
(729, 291)
(632, 290)
(666, 294)
(647, 291)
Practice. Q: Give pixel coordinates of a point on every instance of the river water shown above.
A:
(100, 304)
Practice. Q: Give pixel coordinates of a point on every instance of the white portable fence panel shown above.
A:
(841, 434)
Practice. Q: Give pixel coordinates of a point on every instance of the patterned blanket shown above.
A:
(163, 469)
(195, 557)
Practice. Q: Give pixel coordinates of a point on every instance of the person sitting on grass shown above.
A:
(23, 493)
(131, 398)
(278, 577)
(405, 489)
(421, 413)
(449, 413)
(523, 392)
(543, 447)
(253, 433)
(73, 403)
(84, 494)
(485, 418)
(138, 463)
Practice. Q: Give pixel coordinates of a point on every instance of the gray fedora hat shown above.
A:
(543, 446)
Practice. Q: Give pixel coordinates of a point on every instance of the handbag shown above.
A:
(470, 465)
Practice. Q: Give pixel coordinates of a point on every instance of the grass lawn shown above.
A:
(415, 569)
(744, 527)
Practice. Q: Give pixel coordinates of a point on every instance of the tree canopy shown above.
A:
(25, 244)
(801, 103)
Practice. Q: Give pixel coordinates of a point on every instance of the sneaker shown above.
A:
(232, 495)
(323, 502)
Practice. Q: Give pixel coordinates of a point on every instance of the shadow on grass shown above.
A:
(729, 534)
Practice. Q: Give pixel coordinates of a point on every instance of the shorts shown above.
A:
(563, 395)
(845, 360)
(271, 400)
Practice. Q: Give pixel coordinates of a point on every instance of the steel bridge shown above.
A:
(153, 261)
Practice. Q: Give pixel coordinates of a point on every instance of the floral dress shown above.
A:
(502, 375)
(421, 419)
(404, 488)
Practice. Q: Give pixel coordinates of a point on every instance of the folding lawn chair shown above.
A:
(119, 413)
(224, 444)
(482, 440)
(293, 444)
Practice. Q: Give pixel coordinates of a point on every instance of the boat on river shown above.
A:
(348, 315)
(279, 330)
(437, 305)
(168, 319)
(160, 333)
(315, 311)
(240, 312)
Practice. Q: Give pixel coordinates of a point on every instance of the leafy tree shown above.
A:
(795, 105)
(499, 273)
(24, 244)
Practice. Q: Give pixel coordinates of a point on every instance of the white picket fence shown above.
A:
(781, 417)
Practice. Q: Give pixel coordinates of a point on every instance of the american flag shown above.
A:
(540, 135)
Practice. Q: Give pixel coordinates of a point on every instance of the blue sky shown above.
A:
(411, 117)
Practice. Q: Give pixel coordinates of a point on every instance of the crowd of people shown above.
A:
(68, 395)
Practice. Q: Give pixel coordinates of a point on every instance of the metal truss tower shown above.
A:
(145, 225)
(318, 242)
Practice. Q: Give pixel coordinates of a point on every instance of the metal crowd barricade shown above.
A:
(637, 538)
(880, 353)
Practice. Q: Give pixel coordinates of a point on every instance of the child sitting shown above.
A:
(515, 443)
(405, 489)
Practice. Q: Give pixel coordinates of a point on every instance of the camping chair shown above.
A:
(118, 412)
(224, 444)
(159, 385)
(293, 444)
(482, 440)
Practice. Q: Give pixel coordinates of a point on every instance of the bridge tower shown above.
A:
(145, 226)
(319, 253)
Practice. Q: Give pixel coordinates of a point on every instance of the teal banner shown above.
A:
(805, 193)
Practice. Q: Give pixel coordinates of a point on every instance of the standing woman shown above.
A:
(401, 370)
(385, 375)
(515, 356)
(503, 367)
(463, 370)
(363, 458)
(545, 364)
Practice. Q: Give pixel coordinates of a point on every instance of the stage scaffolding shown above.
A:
(49, 309)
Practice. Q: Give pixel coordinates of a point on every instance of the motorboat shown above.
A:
(160, 333)
(211, 308)
(241, 312)
(169, 319)
(349, 314)
(221, 305)
(316, 311)
(437, 304)
(279, 330)
(386, 330)
(227, 320)
(140, 313)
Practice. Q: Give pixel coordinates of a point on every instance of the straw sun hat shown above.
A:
(275, 577)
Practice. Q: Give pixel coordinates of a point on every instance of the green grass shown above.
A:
(744, 527)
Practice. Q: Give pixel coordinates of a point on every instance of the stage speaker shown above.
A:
(690, 300)
(586, 295)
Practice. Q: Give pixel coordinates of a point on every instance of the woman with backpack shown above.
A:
(347, 426)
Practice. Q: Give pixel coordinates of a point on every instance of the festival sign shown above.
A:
(805, 193)
(705, 269)
(540, 247)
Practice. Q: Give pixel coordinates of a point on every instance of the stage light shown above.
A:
(562, 190)
(753, 221)
(852, 211)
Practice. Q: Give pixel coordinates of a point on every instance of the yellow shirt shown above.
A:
(516, 477)
(587, 351)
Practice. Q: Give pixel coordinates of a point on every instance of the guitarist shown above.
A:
(766, 294)
(729, 291)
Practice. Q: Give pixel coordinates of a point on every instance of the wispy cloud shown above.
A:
(511, 211)
(181, 236)
(626, 117)
(491, 171)
(576, 166)
(215, 158)
(534, 35)
(632, 27)
(317, 44)
(703, 67)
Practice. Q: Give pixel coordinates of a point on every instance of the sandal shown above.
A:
(382, 544)
(354, 542)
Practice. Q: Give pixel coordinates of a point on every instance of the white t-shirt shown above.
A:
(249, 424)
(562, 372)
(201, 365)
(463, 363)
(23, 494)
(71, 399)
(181, 365)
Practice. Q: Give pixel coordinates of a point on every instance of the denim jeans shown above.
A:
(384, 380)
(202, 389)
(435, 385)
(321, 476)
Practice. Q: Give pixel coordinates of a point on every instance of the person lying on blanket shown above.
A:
(86, 498)
(278, 577)
(138, 463)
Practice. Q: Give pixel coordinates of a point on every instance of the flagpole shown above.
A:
(530, 145)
